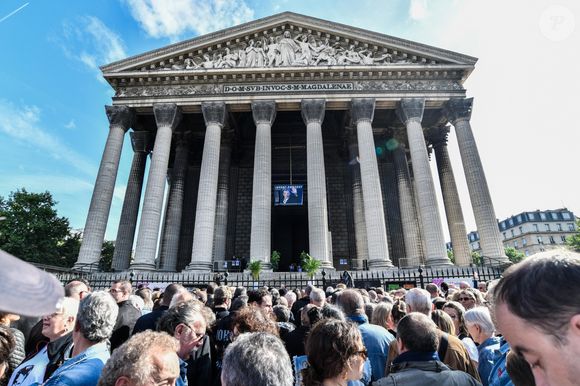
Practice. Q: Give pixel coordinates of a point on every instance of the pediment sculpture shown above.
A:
(284, 50)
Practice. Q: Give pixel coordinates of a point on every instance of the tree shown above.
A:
(275, 260)
(106, 262)
(309, 264)
(255, 269)
(514, 255)
(574, 241)
(451, 255)
(476, 258)
(32, 230)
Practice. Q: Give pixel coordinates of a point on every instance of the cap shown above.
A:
(27, 290)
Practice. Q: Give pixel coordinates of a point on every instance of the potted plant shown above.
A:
(309, 264)
(255, 269)
(275, 260)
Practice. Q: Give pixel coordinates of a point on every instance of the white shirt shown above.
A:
(31, 371)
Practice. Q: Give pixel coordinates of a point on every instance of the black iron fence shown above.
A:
(388, 279)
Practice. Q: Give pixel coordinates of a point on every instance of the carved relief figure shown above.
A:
(288, 48)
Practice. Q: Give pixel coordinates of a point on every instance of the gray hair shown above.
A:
(381, 314)
(136, 301)
(186, 313)
(351, 302)
(317, 295)
(133, 358)
(419, 300)
(97, 316)
(290, 296)
(332, 312)
(481, 317)
(257, 359)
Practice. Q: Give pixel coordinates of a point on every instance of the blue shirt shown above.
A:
(376, 340)
(499, 375)
(182, 380)
(487, 357)
(83, 369)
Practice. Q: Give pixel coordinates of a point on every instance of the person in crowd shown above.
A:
(376, 339)
(481, 328)
(210, 291)
(7, 345)
(291, 298)
(240, 291)
(148, 358)
(519, 370)
(301, 302)
(17, 355)
(223, 332)
(317, 297)
(57, 327)
(260, 298)
(397, 313)
(443, 321)
(336, 354)
(457, 313)
(93, 327)
(382, 315)
(186, 323)
(222, 300)
(149, 321)
(145, 294)
(138, 303)
(537, 310)
(253, 319)
(464, 285)
(295, 341)
(467, 299)
(256, 359)
(332, 312)
(282, 314)
(418, 361)
(127, 317)
(450, 349)
(433, 290)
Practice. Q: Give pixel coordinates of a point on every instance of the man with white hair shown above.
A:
(317, 297)
(451, 350)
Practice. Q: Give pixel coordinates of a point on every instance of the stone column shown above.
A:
(120, 119)
(362, 111)
(214, 114)
(458, 111)
(167, 117)
(172, 227)
(313, 116)
(142, 142)
(221, 218)
(409, 218)
(264, 113)
(438, 138)
(360, 230)
(410, 112)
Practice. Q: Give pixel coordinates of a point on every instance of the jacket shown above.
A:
(83, 369)
(419, 373)
(126, 320)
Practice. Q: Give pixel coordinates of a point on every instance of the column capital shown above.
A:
(362, 109)
(457, 109)
(411, 109)
(313, 110)
(437, 135)
(167, 114)
(142, 141)
(264, 111)
(214, 112)
(122, 116)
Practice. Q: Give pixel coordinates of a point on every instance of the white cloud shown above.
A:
(56, 184)
(171, 19)
(119, 192)
(70, 125)
(23, 124)
(418, 9)
(100, 45)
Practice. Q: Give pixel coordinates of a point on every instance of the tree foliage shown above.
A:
(514, 255)
(309, 264)
(32, 230)
(574, 241)
(107, 252)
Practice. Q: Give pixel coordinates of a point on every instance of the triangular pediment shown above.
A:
(287, 40)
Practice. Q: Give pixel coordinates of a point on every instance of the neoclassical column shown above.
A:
(409, 218)
(438, 138)
(362, 111)
(264, 113)
(120, 120)
(458, 111)
(214, 114)
(313, 115)
(410, 112)
(172, 227)
(167, 117)
(221, 218)
(360, 230)
(142, 142)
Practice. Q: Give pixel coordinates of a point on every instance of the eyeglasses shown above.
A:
(198, 335)
(465, 299)
(363, 354)
(114, 290)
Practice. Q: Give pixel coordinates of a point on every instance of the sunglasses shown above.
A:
(363, 354)
(465, 299)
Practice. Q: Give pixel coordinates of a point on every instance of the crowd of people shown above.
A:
(523, 329)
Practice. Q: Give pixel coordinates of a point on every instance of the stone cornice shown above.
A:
(289, 20)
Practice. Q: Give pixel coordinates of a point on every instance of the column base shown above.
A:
(379, 265)
(85, 267)
(142, 267)
(437, 262)
(326, 265)
(199, 266)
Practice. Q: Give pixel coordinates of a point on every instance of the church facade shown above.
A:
(289, 134)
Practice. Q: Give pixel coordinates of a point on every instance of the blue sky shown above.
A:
(53, 127)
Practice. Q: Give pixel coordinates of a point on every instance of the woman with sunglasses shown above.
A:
(336, 354)
(456, 311)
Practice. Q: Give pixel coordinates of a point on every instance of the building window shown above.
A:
(511, 222)
(536, 228)
(504, 236)
(571, 227)
(502, 225)
(566, 216)
(343, 262)
(552, 241)
(559, 227)
(547, 227)
(516, 244)
(543, 216)
(477, 245)
(531, 216)
(519, 218)
(524, 241)
(554, 215)
(521, 230)
(540, 240)
(512, 232)
(563, 238)
(527, 253)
